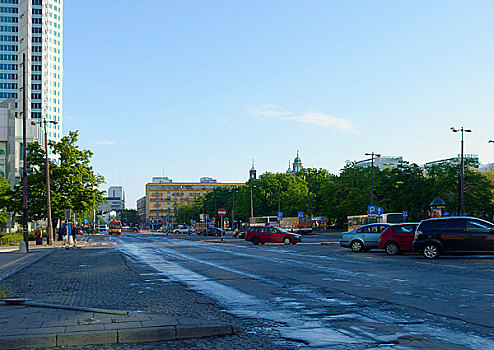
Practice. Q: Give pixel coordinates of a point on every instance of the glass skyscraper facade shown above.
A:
(33, 27)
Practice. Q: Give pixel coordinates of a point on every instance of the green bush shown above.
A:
(14, 238)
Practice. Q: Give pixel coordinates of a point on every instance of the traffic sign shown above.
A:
(280, 215)
(405, 214)
(221, 212)
(300, 214)
(374, 210)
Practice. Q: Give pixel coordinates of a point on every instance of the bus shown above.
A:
(355, 221)
(115, 227)
(263, 221)
(296, 224)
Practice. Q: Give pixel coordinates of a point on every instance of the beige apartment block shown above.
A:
(163, 198)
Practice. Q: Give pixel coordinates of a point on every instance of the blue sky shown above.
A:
(200, 88)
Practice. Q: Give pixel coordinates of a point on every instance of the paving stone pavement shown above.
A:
(103, 278)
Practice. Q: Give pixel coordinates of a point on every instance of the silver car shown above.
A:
(363, 238)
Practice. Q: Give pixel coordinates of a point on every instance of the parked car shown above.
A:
(271, 234)
(363, 238)
(453, 234)
(239, 234)
(184, 230)
(212, 231)
(398, 238)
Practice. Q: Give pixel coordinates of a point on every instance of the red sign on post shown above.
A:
(221, 212)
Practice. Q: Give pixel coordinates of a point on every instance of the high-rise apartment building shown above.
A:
(31, 31)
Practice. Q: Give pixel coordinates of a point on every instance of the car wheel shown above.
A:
(255, 240)
(392, 248)
(263, 243)
(356, 246)
(287, 240)
(431, 251)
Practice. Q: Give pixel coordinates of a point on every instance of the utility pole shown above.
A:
(233, 211)
(308, 192)
(279, 196)
(49, 229)
(251, 203)
(462, 171)
(372, 154)
(24, 155)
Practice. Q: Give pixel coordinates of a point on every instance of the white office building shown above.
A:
(115, 201)
(381, 162)
(32, 30)
(11, 162)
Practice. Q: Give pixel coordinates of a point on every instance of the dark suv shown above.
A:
(453, 234)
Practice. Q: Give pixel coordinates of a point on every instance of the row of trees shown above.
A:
(74, 183)
(405, 188)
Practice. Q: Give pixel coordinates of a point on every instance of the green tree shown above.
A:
(129, 217)
(73, 182)
(5, 199)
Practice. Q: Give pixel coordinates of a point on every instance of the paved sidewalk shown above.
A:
(78, 296)
(24, 326)
(11, 261)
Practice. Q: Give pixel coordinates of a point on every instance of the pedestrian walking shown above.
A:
(74, 234)
(64, 235)
(39, 236)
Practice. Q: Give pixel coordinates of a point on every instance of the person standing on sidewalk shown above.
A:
(39, 236)
(64, 235)
(74, 234)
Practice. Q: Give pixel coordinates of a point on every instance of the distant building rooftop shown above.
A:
(161, 180)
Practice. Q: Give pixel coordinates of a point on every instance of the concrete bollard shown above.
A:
(22, 247)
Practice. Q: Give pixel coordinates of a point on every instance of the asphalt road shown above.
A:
(323, 296)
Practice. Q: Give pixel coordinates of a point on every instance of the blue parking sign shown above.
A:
(374, 210)
(371, 210)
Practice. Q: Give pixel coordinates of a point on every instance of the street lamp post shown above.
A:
(308, 171)
(233, 210)
(372, 154)
(25, 212)
(49, 229)
(251, 202)
(462, 170)
(279, 196)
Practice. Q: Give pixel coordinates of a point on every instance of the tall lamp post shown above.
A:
(251, 202)
(308, 171)
(233, 210)
(372, 154)
(49, 229)
(462, 170)
(279, 194)
(25, 212)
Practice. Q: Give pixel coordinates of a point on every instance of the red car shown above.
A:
(271, 234)
(398, 238)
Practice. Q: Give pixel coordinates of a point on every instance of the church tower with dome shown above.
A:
(296, 166)
(252, 172)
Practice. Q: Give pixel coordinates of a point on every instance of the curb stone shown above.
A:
(120, 336)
